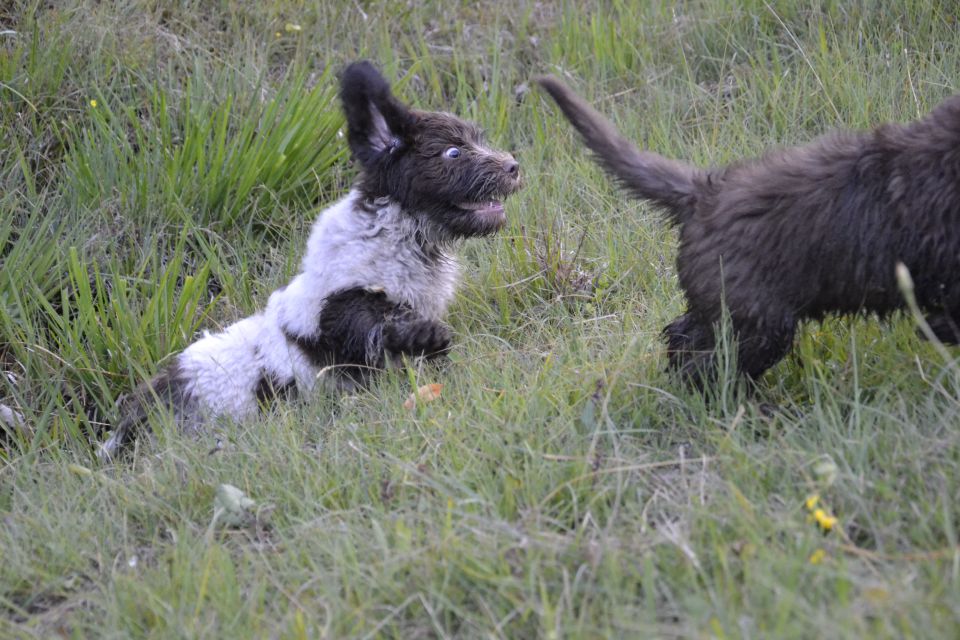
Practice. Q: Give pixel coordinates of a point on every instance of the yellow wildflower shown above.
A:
(811, 501)
(93, 103)
(277, 34)
(817, 556)
(825, 521)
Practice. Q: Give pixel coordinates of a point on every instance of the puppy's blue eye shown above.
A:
(452, 152)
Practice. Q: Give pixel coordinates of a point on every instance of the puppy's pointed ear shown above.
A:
(377, 123)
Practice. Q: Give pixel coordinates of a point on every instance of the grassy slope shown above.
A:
(563, 485)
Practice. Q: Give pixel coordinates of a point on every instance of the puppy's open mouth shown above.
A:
(491, 210)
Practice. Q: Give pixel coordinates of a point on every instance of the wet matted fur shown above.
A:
(377, 276)
(800, 232)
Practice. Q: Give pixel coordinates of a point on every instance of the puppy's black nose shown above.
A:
(512, 167)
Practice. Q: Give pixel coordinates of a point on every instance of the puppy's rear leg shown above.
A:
(690, 346)
(167, 388)
(761, 343)
(945, 326)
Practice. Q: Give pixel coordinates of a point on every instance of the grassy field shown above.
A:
(160, 164)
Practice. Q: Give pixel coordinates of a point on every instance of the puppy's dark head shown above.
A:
(434, 164)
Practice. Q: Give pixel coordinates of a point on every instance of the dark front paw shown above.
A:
(417, 338)
(944, 328)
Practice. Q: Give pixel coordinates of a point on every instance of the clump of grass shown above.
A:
(96, 335)
(95, 284)
(218, 160)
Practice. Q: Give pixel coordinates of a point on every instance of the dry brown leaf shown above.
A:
(426, 393)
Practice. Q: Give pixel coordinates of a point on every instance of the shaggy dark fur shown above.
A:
(352, 318)
(801, 232)
(168, 388)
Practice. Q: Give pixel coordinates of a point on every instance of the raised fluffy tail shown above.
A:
(648, 175)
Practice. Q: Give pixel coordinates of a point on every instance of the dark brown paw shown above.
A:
(944, 328)
(417, 338)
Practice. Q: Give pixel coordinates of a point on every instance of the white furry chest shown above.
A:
(352, 247)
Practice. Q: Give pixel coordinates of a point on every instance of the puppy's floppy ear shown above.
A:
(377, 123)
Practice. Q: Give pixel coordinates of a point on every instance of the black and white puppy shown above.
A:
(377, 277)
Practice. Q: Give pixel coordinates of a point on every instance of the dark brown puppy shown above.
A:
(800, 232)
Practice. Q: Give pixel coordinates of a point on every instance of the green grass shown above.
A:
(563, 485)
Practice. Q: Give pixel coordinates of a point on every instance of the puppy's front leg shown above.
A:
(415, 336)
(358, 328)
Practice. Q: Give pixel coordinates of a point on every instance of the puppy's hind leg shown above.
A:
(690, 347)
(168, 388)
(945, 326)
(761, 343)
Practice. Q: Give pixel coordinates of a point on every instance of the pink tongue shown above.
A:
(491, 208)
(490, 212)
